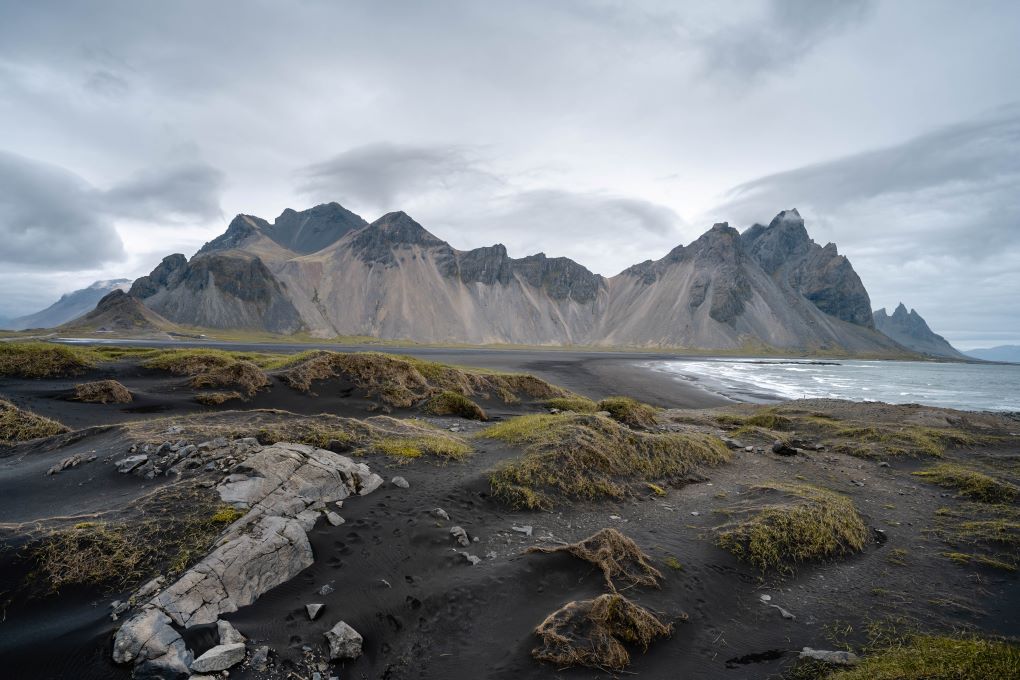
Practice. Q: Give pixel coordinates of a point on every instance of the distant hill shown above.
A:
(1009, 353)
(328, 272)
(120, 314)
(912, 331)
(68, 307)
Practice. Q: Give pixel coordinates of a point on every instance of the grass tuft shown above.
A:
(931, 657)
(17, 425)
(629, 411)
(217, 398)
(593, 633)
(970, 483)
(586, 457)
(449, 403)
(615, 554)
(437, 445)
(102, 392)
(43, 360)
(807, 523)
(211, 369)
(575, 404)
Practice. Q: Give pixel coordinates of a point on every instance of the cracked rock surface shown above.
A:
(280, 486)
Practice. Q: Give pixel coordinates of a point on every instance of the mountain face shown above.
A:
(328, 272)
(68, 307)
(119, 312)
(1008, 353)
(911, 331)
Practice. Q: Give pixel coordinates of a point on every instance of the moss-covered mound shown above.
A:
(17, 425)
(585, 457)
(593, 633)
(794, 523)
(212, 369)
(403, 382)
(970, 483)
(931, 657)
(615, 554)
(217, 398)
(449, 403)
(43, 360)
(575, 404)
(629, 411)
(102, 392)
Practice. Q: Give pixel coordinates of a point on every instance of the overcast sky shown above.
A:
(608, 132)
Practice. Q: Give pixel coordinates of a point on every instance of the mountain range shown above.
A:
(68, 307)
(328, 272)
(912, 331)
(1008, 353)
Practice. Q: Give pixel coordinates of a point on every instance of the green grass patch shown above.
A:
(44, 360)
(449, 403)
(588, 457)
(630, 412)
(437, 445)
(18, 425)
(931, 657)
(800, 523)
(972, 484)
(906, 440)
(985, 533)
(575, 404)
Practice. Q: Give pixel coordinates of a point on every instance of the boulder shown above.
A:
(219, 658)
(228, 634)
(400, 482)
(149, 641)
(131, 462)
(344, 642)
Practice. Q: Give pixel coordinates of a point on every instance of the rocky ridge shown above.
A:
(912, 331)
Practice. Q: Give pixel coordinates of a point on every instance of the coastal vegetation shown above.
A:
(18, 425)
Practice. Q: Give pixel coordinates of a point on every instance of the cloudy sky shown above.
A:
(605, 131)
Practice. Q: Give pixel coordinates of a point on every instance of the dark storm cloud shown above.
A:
(383, 175)
(787, 32)
(52, 218)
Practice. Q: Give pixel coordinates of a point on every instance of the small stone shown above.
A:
(313, 610)
(131, 462)
(881, 463)
(219, 658)
(472, 559)
(399, 482)
(491, 555)
(439, 513)
(461, 536)
(326, 589)
(344, 642)
(781, 448)
(837, 658)
(333, 518)
(150, 588)
(765, 598)
(695, 513)
(525, 529)
(228, 634)
(782, 612)
(260, 658)
(615, 517)
(749, 449)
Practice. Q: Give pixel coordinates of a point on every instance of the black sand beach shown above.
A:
(400, 580)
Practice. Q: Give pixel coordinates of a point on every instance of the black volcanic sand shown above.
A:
(426, 613)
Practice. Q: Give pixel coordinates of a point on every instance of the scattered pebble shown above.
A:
(400, 482)
(439, 513)
(784, 613)
(461, 536)
(525, 529)
(313, 610)
(326, 589)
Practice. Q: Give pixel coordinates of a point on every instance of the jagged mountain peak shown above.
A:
(909, 329)
(311, 230)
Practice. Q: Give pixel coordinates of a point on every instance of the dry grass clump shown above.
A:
(217, 398)
(168, 530)
(43, 360)
(586, 457)
(970, 483)
(102, 392)
(985, 533)
(437, 445)
(937, 657)
(17, 425)
(575, 404)
(449, 403)
(871, 441)
(211, 369)
(593, 633)
(629, 411)
(403, 382)
(615, 554)
(807, 523)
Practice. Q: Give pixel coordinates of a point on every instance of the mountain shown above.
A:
(120, 313)
(1009, 353)
(327, 272)
(911, 331)
(68, 307)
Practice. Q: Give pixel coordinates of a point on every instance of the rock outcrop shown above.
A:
(283, 487)
(911, 331)
(325, 270)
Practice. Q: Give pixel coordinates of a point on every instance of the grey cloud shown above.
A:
(789, 31)
(381, 175)
(107, 84)
(178, 192)
(51, 217)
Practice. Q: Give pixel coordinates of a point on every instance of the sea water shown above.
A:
(973, 387)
